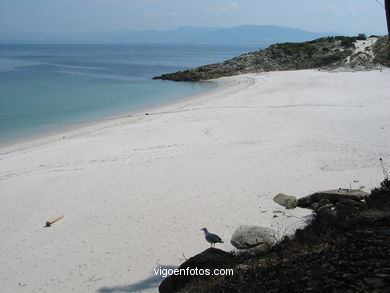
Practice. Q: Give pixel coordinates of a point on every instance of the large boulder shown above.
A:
(332, 196)
(196, 267)
(253, 239)
(288, 201)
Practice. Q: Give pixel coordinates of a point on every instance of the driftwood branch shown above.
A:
(52, 221)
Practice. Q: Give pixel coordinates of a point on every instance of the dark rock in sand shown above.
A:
(325, 208)
(211, 258)
(350, 202)
(323, 202)
(331, 196)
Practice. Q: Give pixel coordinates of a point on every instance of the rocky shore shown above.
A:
(354, 53)
(344, 249)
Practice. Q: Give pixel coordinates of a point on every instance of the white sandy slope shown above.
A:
(136, 191)
(362, 46)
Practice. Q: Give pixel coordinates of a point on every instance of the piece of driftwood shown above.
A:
(52, 221)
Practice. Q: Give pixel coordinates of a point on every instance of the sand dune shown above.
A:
(136, 191)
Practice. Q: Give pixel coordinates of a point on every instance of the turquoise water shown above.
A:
(49, 87)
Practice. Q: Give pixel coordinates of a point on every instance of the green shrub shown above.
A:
(346, 42)
(361, 37)
(380, 196)
(382, 51)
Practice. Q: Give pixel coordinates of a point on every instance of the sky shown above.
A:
(81, 16)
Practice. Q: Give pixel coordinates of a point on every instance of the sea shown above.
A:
(49, 87)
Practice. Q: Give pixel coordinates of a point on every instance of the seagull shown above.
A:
(211, 238)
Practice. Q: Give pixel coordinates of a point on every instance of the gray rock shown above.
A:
(288, 201)
(253, 238)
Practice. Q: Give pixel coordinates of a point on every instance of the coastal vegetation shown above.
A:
(382, 52)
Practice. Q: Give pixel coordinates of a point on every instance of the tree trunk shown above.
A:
(387, 6)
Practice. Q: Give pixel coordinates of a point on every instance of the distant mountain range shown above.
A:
(240, 35)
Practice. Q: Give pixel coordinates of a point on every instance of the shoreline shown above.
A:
(47, 136)
(136, 191)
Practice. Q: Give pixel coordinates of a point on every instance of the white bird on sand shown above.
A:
(211, 238)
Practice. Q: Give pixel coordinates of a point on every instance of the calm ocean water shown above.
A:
(49, 87)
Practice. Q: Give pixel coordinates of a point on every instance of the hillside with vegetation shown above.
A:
(354, 53)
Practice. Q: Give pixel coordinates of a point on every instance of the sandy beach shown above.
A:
(136, 191)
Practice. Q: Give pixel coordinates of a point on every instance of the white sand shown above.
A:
(136, 191)
(365, 46)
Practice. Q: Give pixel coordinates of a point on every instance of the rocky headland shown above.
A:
(349, 53)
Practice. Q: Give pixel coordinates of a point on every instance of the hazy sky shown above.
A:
(69, 16)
